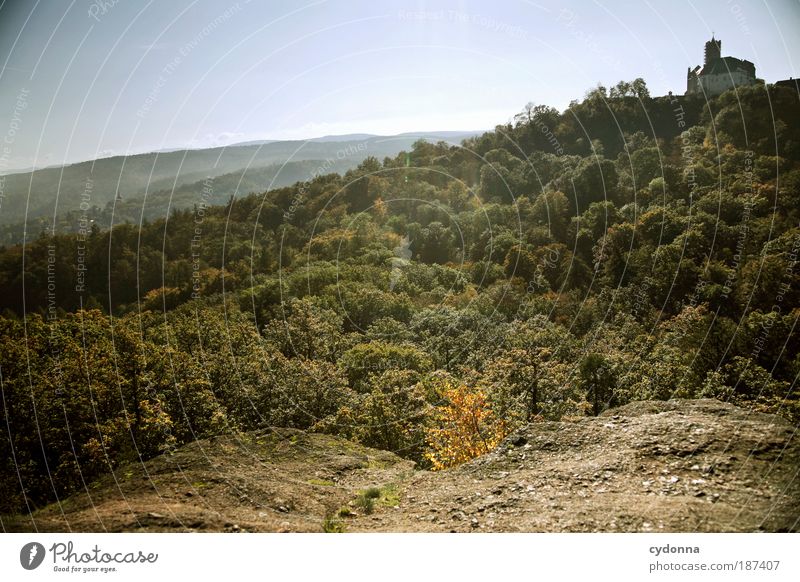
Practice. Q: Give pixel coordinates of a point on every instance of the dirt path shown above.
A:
(661, 466)
(650, 466)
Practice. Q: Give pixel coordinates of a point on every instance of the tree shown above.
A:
(375, 357)
(598, 93)
(514, 384)
(639, 89)
(463, 428)
(496, 184)
(552, 209)
(598, 381)
(592, 180)
(306, 330)
(621, 89)
(391, 415)
(436, 243)
(526, 115)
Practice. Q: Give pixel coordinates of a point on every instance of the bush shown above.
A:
(376, 357)
(463, 428)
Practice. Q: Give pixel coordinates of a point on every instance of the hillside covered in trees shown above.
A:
(130, 188)
(629, 248)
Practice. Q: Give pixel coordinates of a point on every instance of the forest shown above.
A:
(628, 248)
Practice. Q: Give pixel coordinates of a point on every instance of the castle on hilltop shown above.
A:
(718, 73)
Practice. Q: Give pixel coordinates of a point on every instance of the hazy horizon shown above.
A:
(4, 171)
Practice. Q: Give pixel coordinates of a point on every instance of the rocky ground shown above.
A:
(692, 465)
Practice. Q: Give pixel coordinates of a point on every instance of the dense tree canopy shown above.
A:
(628, 248)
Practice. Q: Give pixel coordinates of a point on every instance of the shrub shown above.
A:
(464, 428)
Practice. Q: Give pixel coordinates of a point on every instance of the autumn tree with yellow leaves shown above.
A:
(463, 429)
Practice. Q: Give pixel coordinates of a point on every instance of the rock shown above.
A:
(519, 440)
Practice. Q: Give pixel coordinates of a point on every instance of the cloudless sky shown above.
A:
(82, 79)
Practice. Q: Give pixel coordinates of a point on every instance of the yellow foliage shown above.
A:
(380, 210)
(330, 244)
(465, 428)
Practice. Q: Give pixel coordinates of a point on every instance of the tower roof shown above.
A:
(725, 65)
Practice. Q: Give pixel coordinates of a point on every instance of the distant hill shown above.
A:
(56, 191)
(159, 203)
(433, 136)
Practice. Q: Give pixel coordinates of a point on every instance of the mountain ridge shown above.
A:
(59, 189)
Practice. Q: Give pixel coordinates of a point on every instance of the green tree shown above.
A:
(597, 379)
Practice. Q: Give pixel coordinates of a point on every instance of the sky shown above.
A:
(81, 79)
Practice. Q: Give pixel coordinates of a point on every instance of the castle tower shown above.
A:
(719, 74)
(713, 51)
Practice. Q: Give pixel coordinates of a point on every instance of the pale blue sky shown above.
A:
(109, 78)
